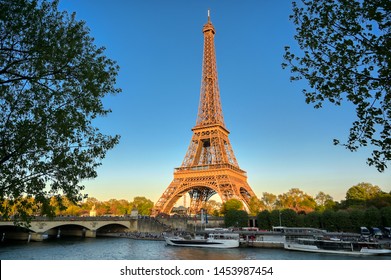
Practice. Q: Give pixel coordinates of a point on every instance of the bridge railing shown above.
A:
(79, 218)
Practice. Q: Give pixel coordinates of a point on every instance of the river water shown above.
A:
(131, 249)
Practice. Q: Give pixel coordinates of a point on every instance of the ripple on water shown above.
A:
(129, 249)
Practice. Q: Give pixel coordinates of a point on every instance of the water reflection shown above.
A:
(129, 249)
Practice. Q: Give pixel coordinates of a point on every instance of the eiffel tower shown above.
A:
(209, 166)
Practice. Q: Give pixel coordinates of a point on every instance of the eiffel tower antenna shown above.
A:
(209, 166)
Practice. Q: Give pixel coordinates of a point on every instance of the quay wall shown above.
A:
(190, 224)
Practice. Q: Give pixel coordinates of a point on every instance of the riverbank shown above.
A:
(135, 235)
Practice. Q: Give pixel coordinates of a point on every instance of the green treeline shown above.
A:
(346, 220)
(61, 206)
(364, 205)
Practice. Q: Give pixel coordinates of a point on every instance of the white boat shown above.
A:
(207, 240)
(336, 246)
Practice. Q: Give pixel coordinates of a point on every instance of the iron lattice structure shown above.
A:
(209, 166)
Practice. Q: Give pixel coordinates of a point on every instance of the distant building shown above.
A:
(180, 210)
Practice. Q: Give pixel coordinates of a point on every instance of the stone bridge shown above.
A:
(41, 227)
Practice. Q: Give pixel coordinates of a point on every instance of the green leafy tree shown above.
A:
(212, 207)
(275, 218)
(381, 200)
(386, 216)
(118, 207)
(254, 206)
(357, 219)
(324, 201)
(263, 220)
(372, 217)
(142, 204)
(236, 218)
(346, 57)
(361, 194)
(344, 222)
(289, 218)
(297, 200)
(269, 201)
(52, 81)
(329, 220)
(312, 219)
(231, 204)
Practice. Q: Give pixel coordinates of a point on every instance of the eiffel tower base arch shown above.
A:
(201, 185)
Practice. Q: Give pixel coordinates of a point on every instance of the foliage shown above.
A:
(254, 206)
(347, 220)
(289, 218)
(362, 191)
(357, 218)
(386, 216)
(52, 81)
(275, 218)
(297, 200)
(263, 220)
(343, 221)
(269, 201)
(236, 218)
(372, 217)
(346, 57)
(143, 205)
(312, 219)
(364, 195)
(329, 220)
(112, 207)
(324, 201)
(231, 204)
(213, 207)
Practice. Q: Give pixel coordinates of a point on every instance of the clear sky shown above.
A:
(277, 138)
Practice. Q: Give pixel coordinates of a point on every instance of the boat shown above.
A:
(336, 246)
(207, 240)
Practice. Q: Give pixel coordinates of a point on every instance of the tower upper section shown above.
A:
(209, 109)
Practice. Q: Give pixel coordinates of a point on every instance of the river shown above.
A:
(131, 249)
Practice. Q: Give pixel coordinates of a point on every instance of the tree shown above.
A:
(231, 204)
(372, 217)
(275, 218)
(329, 220)
(344, 222)
(312, 219)
(346, 56)
(142, 204)
(52, 81)
(212, 207)
(263, 219)
(361, 193)
(236, 218)
(357, 218)
(254, 206)
(289, 218)
(297, 200)
(324, 201)
(269, 200)
(386, 216)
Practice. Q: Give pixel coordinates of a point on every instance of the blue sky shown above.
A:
(277, 138)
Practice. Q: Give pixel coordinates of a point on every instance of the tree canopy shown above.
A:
(231, 204)
(52, 81)
(346, 57)
(362, 191)
(236, 218)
